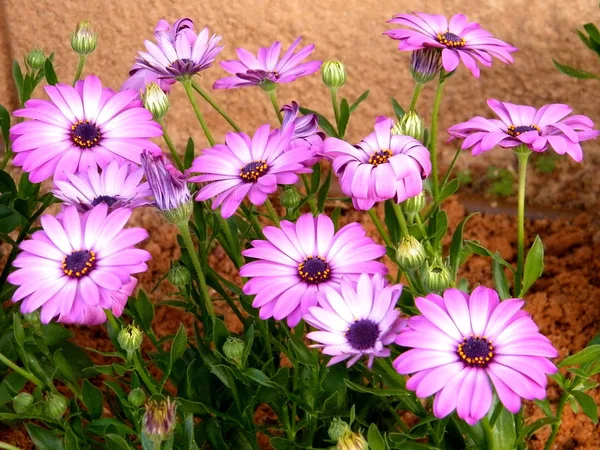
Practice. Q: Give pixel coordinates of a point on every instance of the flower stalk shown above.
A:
(434, 136)
(187, 85)
(522, 158)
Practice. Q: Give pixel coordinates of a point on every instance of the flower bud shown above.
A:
(333, 74)
(156, 101)
(290, 198)
(267, 85)
(179, 276)
(55, 405)
(436, 278)
(130, 339)
(33, 319)
(136, 397)
(410, 254)
(22, 402)
(352, 441)
(411, 125)
(425, 64)
(159, 419)
(84, 39)
(234, 348)
(413, 205)
(36, 58)
(337, 429)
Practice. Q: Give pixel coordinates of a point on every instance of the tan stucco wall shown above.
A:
(349, 30)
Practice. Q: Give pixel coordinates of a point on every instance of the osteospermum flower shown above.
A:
(118, 185)
(140, 78)
(179, 51)
(298, 261)
(78, 265)
(244, 166)
(356, 321)
(306, 132)
(81, 127)
(267, 69)
(463, 345)
(538, 129)
(457, 39)
(382, 166)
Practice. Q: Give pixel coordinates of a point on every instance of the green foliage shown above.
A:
(501, 181)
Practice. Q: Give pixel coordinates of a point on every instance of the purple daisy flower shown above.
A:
(81, 127)
(179, 51)
(306, 132)
(118, 185)
(359, 320)
(266, 67)
(244, 166)
(463, 345)
(78, 265)
(538, 129)
(139, 78)
(298, 261)
(382, 166)
(457, 39)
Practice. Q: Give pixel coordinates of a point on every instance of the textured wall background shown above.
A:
(349, 30)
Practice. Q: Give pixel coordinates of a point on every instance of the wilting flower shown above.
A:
(244, 166)
(356, 321)
(457, 40)
(118, 185)
(81, 127)
(538, 129)
(266, 69)
(462, 345)
(297, 261)
(382, 166)
(79, 265)
(306, 132)
(159, 419)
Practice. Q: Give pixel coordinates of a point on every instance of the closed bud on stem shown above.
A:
(130, 339)
(337, 429)
(36, 59)
(290, 198)
(410, 254)
(159, 418)
(33, 319)
(352, 441)
(333, 74)
(136, 397)
(55, 405)
(234, 349)
(156, 101)
(425, 64)
(22, 402)
(436, 278)
(84, 39)
(414, 205)
(411, 125)
(179, 276)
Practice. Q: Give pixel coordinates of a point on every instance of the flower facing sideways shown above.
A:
(463, 345)
(306, 132)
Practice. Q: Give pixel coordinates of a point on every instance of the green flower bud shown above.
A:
(179, 276)
(352, 441)
(36, 58)
(33, 319)
(136, 397)
(425, 64)
(436, 278)
(156, 101)
(333, 74)
(84, 39)
(413, 206)
(55, 405)
(411, 125)
(290, 198)
(159, 419)
(130, 339)
(267, 85)
(410, 254)
(337, 429)
(234, 348)
(22, 402)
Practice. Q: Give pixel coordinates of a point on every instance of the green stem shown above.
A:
(169, 143)
(264, 326)
(272, 213)
(187, 85)
(251, 218)
(377, 222)
(434, 134)
(451, 167)
(7, 154)
(415, 97)
(80, 65)
(556, 426)
(187, 239)
(424, 233)
(215, 105)
(7, 446)
(308, 187)
(275, 103)
(141, 370)
(336, 108)
(401, 219)
(522, 157)
(294, 406)
(31, 377)
(489, 435)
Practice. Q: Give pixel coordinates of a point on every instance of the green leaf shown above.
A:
(375, 438)
(9, 219)
(530, 429)
(504, 431)
(391, 221)
(323, 191)
(398, 110)
(145, 309)
(377, 392)
(449, 188)
(43, 439)
(500, 280)
(534, 265)
(315, 179)
(220, 334)
(189, 153)
(5, 127)
(19, 331)
(359, 100)
(49, 73)
(99, 426)
(63, 366)
(574, 72)
(18, 77)
(118, 442)
(92, 399)
(592, 30)
(325, 124)
(457, 245)
(588, 42)
(55, 334)
(344, 117)
(179, 344)
(588, 405)
(71, 441)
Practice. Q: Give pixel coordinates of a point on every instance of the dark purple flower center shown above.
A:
(515, 131)
(104, 199)
(79, 263)
(380, 157)
(251, 172)
(476, 351)
(450, 39)
(362, 334)
(314, 270)
(85, 134)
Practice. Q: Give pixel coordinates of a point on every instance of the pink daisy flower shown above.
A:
(267, 68)
(78, 265)
(306, 132)
(359, 320)
(81, 127)
(244, 166)
(381, 167)
(457, 39)
(463, 345)
(118, 185)
(538, 129)
(139, 78)
(298, 261)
